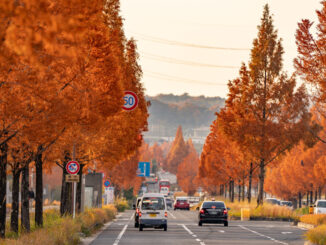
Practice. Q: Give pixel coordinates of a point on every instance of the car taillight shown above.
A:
(137, 210)
(202, 211)
(225, 211)
(139, 213)
(166, 214)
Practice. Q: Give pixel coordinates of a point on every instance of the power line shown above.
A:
(179, 79)
(184, 44)
(183, 62)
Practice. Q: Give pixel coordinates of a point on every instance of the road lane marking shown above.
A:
(221, 231)
(116, 242)
(172, 215)
(186, 228)
(286, 232)
(132, 216)
(192, 234)
(262, 235)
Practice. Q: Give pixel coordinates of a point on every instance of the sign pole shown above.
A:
(74, 184)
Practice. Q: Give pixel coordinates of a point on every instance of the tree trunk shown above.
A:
(79, 189)
(311, 197)
(15, 201)
(300, 199)
(39, 187)
(239, 190)
(319, 192)
(25, 222)
(232, 190)
(3, 188)
(243, 189)
(316, 195)
(307, 198)
(249, 185)
(65, 207)
(260, 199)
(225, 190)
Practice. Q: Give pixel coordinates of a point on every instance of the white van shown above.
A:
(320, 207)
(153, 211)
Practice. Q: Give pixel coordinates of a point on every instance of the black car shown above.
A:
(136, 207)
(213, 212)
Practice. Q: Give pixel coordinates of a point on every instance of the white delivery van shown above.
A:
(320, 207)
(153, 212)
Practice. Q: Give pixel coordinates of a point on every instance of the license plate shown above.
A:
(213, 212)
(152, 215)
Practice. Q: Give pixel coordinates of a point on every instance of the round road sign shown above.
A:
(131, 101)
(107, 183)
(72, 167)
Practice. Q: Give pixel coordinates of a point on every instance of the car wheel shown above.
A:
(175, 209)
(200, 223)
(140, 227)
(188, 209)
(136, 225)
(226, 223)
(165, 227)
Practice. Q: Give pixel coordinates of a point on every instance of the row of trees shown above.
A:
(65, 67)
(267, 114)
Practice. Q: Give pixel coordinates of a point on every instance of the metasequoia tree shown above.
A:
(264, 113)
(177, 153)
(67, 64)
(187, 171)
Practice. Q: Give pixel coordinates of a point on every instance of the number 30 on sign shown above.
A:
(130, 101)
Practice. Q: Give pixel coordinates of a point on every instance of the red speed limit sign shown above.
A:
(130, 101)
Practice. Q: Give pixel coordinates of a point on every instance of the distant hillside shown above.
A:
(168, 111)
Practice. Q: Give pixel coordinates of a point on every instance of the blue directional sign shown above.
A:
(144, 169)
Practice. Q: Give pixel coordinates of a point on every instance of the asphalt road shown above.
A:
(183, 229)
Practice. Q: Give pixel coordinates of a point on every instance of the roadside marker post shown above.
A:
(73, 168)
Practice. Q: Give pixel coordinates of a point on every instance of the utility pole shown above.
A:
(74, 184)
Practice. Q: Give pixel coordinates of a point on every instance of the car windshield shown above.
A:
(321, 204)
(213, 205)
(272, 201)
(153, 203)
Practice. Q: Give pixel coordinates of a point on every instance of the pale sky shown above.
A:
(214, 23)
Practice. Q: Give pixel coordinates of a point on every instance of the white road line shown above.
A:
(172, 215)
(186, 228)
(132, 216)
(116, 242)
(192, 234)
(221, 231)
(262, 235)
(286, 232)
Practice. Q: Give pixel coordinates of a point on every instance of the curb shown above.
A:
(90, 239)
(305, 225)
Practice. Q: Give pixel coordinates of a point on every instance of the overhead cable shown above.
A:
(183, 62)
(184, 44)
(179, 79)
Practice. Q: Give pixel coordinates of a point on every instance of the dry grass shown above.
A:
(121, 205)
(59, 230)
(314, 219)
(317, 235)
(267, 211)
